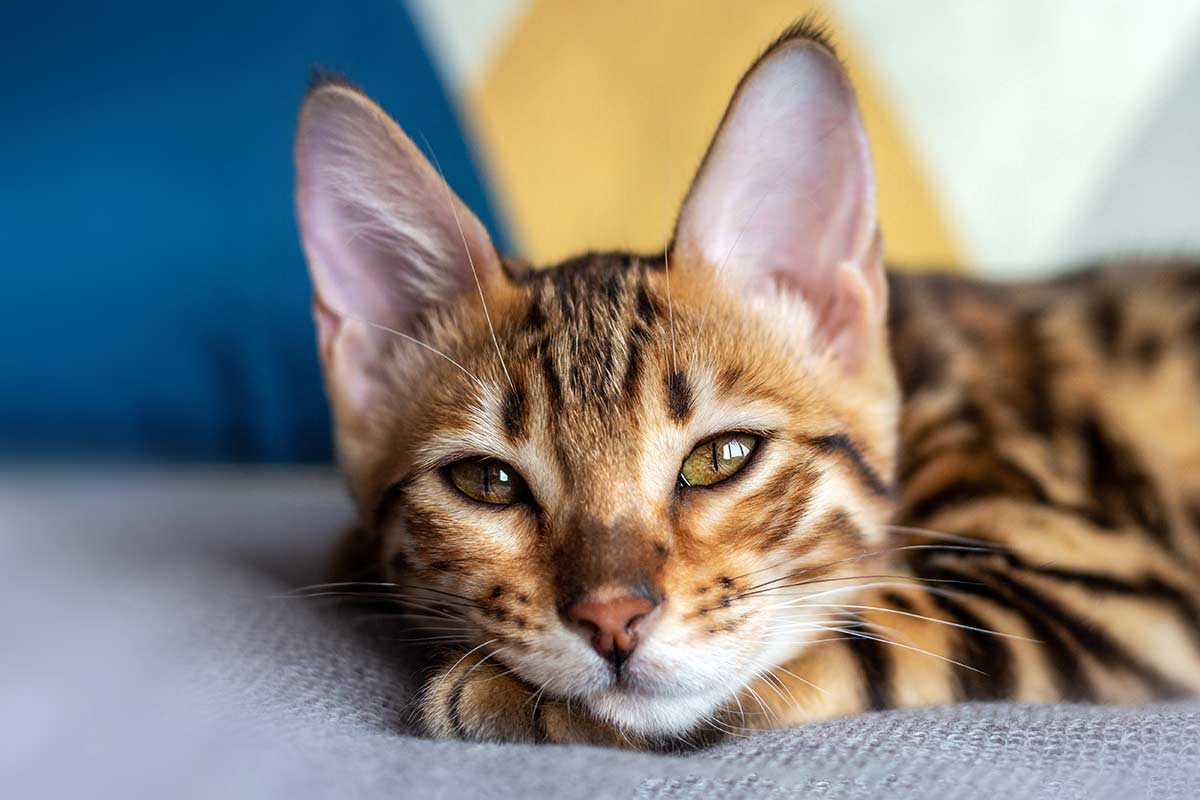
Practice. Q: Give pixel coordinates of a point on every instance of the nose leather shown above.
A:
(611, 623)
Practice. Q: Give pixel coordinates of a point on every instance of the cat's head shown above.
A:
(617, 473)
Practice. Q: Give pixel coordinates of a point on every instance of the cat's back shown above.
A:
(1079, 395)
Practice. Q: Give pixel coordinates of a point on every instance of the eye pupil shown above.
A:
(487, 481)
(717, 459)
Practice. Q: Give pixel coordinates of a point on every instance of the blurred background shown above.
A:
(155, 300)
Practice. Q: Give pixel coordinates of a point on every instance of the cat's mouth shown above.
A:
(653, 712)
(667, 682)
(648, 690)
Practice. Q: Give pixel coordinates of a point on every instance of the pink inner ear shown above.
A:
(384, 235)
(354, 275)
(786, 195)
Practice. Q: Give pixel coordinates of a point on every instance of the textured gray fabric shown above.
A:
(145, 656)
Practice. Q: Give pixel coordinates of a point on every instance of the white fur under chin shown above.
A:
(654, 716)
(679, 704)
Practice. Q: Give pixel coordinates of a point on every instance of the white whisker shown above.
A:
(767, 712)
(882, 640)
(428, 639)
(344, 585)
(909, 530)
(468, 653)
(805, 681)
(858, 587)
(418, 342)
(481, 661)
(798, 602)
(959, 548)
(769, 676)
(670, 308)
(537, 698)
(712, 721)
(900, 581)
(913, 615)
(741, 710)
(471, 261)
(399, 600)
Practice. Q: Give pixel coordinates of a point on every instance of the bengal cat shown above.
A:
(753, 480)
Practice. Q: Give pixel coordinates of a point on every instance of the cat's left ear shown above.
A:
(385, 237)
(786, 195)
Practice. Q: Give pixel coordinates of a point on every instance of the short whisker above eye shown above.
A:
(466, 247)
(400, 334)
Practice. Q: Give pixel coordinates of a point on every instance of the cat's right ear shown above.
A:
(384, 235)
(785, 198)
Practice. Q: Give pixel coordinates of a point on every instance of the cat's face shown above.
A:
(613, 473)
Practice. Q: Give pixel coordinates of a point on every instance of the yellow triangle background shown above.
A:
(594, 116)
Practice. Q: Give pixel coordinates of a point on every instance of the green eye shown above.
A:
(717, 459)
(487, 481)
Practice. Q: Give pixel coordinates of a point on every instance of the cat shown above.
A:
(754, 480)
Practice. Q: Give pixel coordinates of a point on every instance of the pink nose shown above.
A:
(612, 624)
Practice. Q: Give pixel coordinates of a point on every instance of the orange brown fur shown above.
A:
(991, 449)
(1001, 499)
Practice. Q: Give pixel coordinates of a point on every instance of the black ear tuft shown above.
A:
(811, 27)
(319, 77)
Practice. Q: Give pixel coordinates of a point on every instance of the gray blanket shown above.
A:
(146, 654)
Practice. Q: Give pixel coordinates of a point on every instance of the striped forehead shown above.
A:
(593, 332)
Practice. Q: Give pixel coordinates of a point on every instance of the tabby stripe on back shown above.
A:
(1119, 487)
(1090, 637)
(1149, 588)
(980, 650)
(875, 667)
(1066, 669)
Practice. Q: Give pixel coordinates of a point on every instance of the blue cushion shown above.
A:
(155, 298)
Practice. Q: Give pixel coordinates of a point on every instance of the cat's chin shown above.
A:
(654, 715)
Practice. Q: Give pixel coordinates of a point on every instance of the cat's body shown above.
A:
(750, 481)
(1058, 426)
